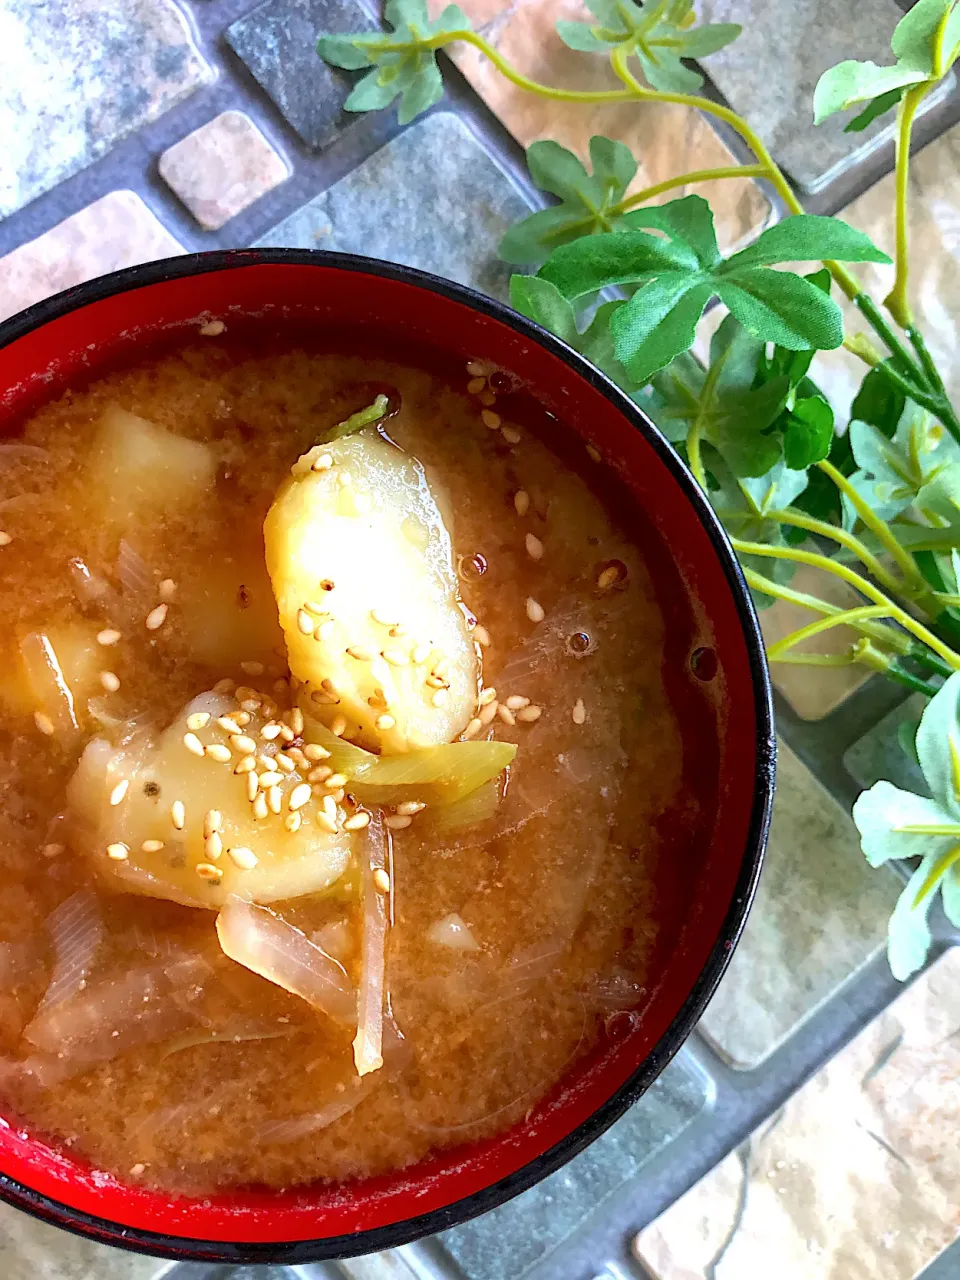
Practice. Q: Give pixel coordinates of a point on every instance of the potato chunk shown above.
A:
(139, 468)
(139, 836)
(362, 568)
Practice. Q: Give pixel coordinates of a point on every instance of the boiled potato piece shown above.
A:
(260, 859)
(363, 572)
(137, 467)
(227, 612)
(54, 673)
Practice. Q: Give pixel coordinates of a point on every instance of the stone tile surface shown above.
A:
(431, 198)
(855, 1179)
(813, 691)
(820, 913)
(666, 139)
(278, 42)
(221, 168)
(505, 1243)
(31, 1250)
(76, 76)
(116, 231)
(770, 72)
(878, 755)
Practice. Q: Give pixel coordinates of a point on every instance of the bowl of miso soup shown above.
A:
(385, 756)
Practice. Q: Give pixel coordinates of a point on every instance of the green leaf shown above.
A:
(879, 402)
(873, 110)
(806, 237)
(915, 33)
(589, 202)
(369, 94)
(658, 322)
(579, 36)
(688, 221)
(702, 41)
(663, 70)
(624, 257)
(850, 83)
(343, 51)
(778, 306)
(597, 344)
(545, 304)
(808, 432)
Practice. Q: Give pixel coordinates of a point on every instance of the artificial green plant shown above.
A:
(626, 281)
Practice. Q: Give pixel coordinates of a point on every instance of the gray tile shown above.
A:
(770, 72)
(821, 912)
(431, 198)
(505, 1243)
(879, 755)
(278, 42)
(32, 1250)
(76, 77)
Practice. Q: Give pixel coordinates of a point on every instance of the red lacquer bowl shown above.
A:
(91, 328)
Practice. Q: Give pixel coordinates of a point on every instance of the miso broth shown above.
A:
(423, 959)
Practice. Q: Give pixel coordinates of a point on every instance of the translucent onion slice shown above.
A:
(470, 811)
(76, 930)
(46, 679)
(368, 1043)
(451, 932)
(266, 944)
(281, 1131)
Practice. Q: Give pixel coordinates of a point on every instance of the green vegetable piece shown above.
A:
(357, 421)
(434, 775)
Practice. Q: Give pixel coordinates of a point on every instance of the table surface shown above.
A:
(809, 1121)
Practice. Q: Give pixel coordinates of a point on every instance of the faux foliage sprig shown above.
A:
(626, 282)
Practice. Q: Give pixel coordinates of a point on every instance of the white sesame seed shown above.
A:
(435, 682)
(219, 752)
(344, 479)
(579, 712)
(516, 701)
(212, 821)
(251, 705)
(396, 657)
(245, 764)
(521, 502)
(109, 681)
(198, 720)
(119, 791)
(44, 723)
(488, 713)
(398, 630)
(253, 785)
(288, 766)
(440, 698)
(381, 880)
(324, 631)
(534, 546)
(382, 619)
(363, 504)
(299, 796)
(314, 752)
(361, 653)
(293, 822)
(478, 368)
(491, 419)
(320, 773)
(487, 397)
(212, 329)
(305, 623)
(323, 820)
(335, 781)
(607, 577)
(252, 668)
(207, 871)
(422, 652)
(481, 635)
(226, 685)
(157, 617)
(213, 846)
(506, 715)
(178, 814)
(296, 720)
(118, 852)
(167, 590)
(594, 453)
(240, 718)
(510, 434)
(193, 744)
(275, 799)
(53, 850)
(397, 821)
(5, 539)
(151, 846)
(527, 715)
(243, 858)
(472, 728)
(243, 745)
(228, 725)
(534, 610)
(108, 637)
(409, 807)
(323, 462)
(475, 385)
(270, 731)
(270, 779)
(487, 696)
(357, 822)
(260, 809)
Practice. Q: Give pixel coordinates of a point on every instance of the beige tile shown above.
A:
(221, 168)
(116, 231)
(856, 1177)
(667, 140)
(820, 913)
(31, 1250)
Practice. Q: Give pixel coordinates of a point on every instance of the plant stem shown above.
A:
(896, 301)
(913, 578)
(522, 81)
(825, 624)
(861, 584)
(687, 179)
(852, 543)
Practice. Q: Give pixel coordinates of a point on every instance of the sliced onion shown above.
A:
(51, 690)
(336, 939)
(266, 944)
(232, 1033)
(451, 932)
(280, 1131)
(76, 931)
(368, 1042)
(479, 806)
(17, 451)
(135, 575)
(90, 588)
(434, 775)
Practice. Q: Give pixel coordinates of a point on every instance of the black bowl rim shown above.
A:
(390, 1236)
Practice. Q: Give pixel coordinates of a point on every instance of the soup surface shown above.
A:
(515, 924)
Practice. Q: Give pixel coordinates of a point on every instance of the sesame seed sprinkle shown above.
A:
(296, 720)
(270, 779)
(607, 577)
(253, 785)
(324, 821)
(527, 715)
(151, 846)
(108, 637)
(323, 462)
(299, 796)
(325, 630)
(487, 696)
(118, 852)
(516, 701)
(260, 809)
(252, 668)
(440, 698)
(360, 653)
(488, 713)
(534, 546)
(243, 745)
(491, 419)
(385, 722)
(109, 681)
(5, 539)
(506, 715)
(475, 385)
(44, 723)
(228, 725)
(579, 712)
(292, 822)
(212, 821)
(119, 791)
(534, 610)
(339, 726)
(219, 752)
(396, 657)
(305, 623)
(409, 807)
(167, 590)
(357, 822)
(243, 858)
(594, 453)
(178, 814)
(510, 434)
(381, 880)
(472, 729)
(213, 846)
(397, 821)
(193, 744)
(270, 731)
(275, 799)
(53, 850)
(207, 871)
(198, 720)
(320, 773)
(157, 617)
(226, 685)
(422, 652)
(335, 781)
(314, 752)
(521, 502)
(477, 368)
(481, 635)
(287, 765)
